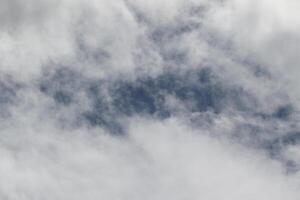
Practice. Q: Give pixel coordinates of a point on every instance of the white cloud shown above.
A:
(48, 152)
(158, 160)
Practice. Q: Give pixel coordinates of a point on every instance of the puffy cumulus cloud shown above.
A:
(156, 160)
(128, 99)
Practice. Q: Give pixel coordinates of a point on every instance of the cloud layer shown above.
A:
(128, 99)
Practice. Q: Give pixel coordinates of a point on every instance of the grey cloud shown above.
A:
(149, 100)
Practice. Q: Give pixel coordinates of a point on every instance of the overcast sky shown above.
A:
(154, 100)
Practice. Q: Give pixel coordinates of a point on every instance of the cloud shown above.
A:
(149, 100)
(157, 160)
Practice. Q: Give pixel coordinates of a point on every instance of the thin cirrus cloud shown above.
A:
(149, 100)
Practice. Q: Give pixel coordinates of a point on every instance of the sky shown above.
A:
(161, 99)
